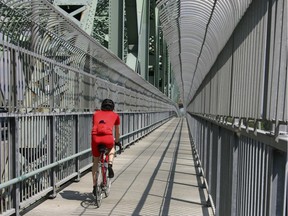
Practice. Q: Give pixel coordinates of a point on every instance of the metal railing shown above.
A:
(53, 76)
(41, 152)
(244, 170)
(49, 64)
(238, 116)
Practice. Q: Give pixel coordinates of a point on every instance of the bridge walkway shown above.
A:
(155, 176)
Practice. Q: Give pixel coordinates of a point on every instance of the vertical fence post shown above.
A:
(129, 126)
(234, 176)
(77, 143)
(133, 126)
(218, 181)
(210, 171)
(285, 201)
(14, 133)
(53, 154)
(142, 124)
(122, 129)
(139, 124)
(277, 183)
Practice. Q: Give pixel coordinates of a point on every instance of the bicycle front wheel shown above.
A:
(108, 185)
(99, 184)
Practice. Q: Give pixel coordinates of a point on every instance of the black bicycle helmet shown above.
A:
(107, 104)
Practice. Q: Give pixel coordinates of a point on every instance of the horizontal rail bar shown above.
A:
(36, 172)
(263, 136)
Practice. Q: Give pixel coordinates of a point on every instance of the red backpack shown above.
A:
(103, 128)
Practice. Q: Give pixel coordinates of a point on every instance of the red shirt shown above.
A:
(111, 118)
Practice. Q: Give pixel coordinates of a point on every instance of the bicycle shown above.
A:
(103, 184)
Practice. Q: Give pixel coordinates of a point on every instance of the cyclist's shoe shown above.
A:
(110, 171)
(94, 190)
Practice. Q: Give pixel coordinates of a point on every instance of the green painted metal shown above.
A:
(101, 23)
(157, 75)
(144, 7)
(164, 68)
(116, 28)
(80, 12)
(132, 34)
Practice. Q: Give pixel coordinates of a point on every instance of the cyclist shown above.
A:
(102, 133)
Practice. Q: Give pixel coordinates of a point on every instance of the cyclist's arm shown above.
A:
(117, 133)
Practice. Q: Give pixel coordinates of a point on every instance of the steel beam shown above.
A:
(116, 28)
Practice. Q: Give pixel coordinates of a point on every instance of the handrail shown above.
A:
(35, 172)
(42, 169)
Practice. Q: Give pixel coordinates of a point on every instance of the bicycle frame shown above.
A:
(104, 158)
(103, 182)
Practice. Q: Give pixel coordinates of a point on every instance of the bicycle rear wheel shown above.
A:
(99, 184)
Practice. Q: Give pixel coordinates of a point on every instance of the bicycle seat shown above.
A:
(102, 148)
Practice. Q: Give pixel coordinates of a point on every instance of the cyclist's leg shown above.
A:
(94, 169)
(95, 155)
(111, 153)
(111, 150)
(108, 141)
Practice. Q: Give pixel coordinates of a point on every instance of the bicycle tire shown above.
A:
(99, 195)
